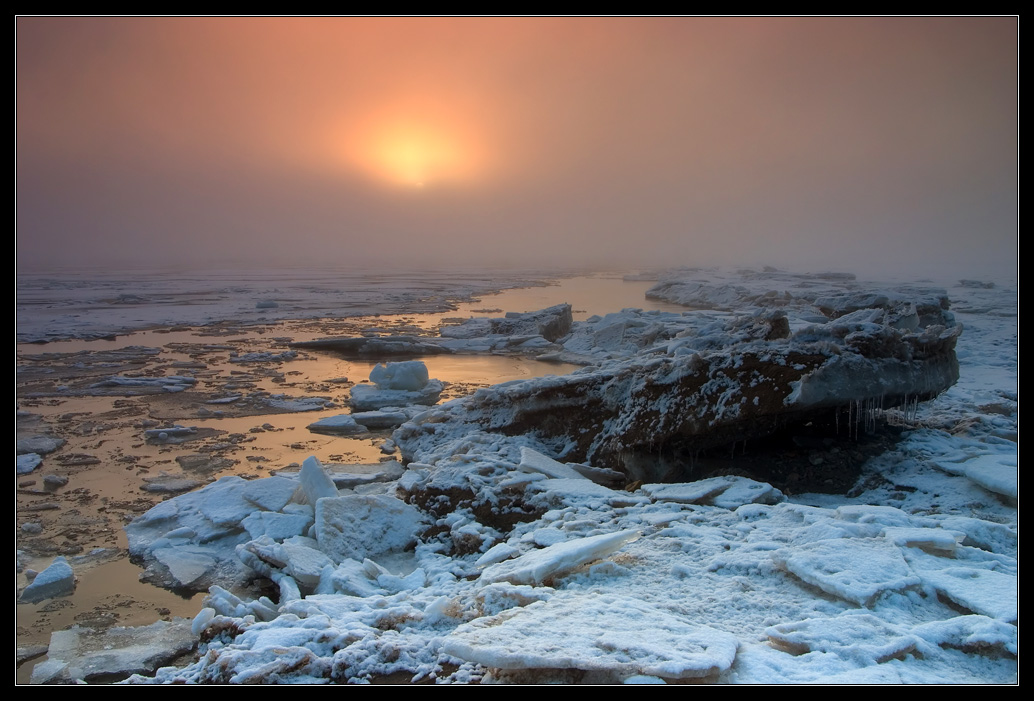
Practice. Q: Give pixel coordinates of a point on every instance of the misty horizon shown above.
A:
(867, 145)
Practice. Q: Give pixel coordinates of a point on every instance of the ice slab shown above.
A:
(609, 633)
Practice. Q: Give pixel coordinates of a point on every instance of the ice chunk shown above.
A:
(609, 633)
(316, 483)
(970, 633)
(372, 398)
(995, 473)
(360, 526)
(409, 376)
(85, 654)
(982, 591)
(276, 525)
(727, 492)
(27, 463)
(856, 569)
(186, 565)
(533, 461)
(858, 636)
(584, 491)
(41, 445)
(538, 566)
(340, 425)
(56, 580)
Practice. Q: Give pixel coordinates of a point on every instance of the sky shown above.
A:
(865, 144)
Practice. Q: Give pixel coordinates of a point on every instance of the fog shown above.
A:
(865, 144)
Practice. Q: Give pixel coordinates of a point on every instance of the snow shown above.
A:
(361, 526)
(491, 559)
(609, 633)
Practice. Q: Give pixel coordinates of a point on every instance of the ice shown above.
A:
(995, 473)
(297, 556)
(83, 654)
(27, 463)
(856, 569)
(470, 568)
(276, 525)
(186, 565)
(361, 526)
(975, 633)
(40, 445)
(533, 461)
(263, 357)
(388, 417)
(56, 580)
(340, 425)
(982, 591)
(142, 385)
(409, 376)
(613, 635)
(852, 635)
(315, 482)
(727, 492)
(372, 398)
(540, 566)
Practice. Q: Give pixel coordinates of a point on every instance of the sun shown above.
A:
(413, 156)
(415, 150)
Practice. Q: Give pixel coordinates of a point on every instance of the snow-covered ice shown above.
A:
(496, 557)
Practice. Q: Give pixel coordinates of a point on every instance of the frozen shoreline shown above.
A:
(924, 494)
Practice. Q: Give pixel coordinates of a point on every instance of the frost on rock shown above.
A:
(713, 384)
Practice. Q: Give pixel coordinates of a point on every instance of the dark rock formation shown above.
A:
(648, 416)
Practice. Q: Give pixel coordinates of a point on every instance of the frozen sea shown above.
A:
(909, 576)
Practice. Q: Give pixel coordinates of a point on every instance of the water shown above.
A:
(102, 496)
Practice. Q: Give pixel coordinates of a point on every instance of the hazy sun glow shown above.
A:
(415, 152)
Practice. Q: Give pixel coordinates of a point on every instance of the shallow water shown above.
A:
(102, 496)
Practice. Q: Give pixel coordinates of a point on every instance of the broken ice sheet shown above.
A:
(593, 632)
(856, 569)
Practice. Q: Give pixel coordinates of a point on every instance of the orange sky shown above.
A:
(789, 141)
